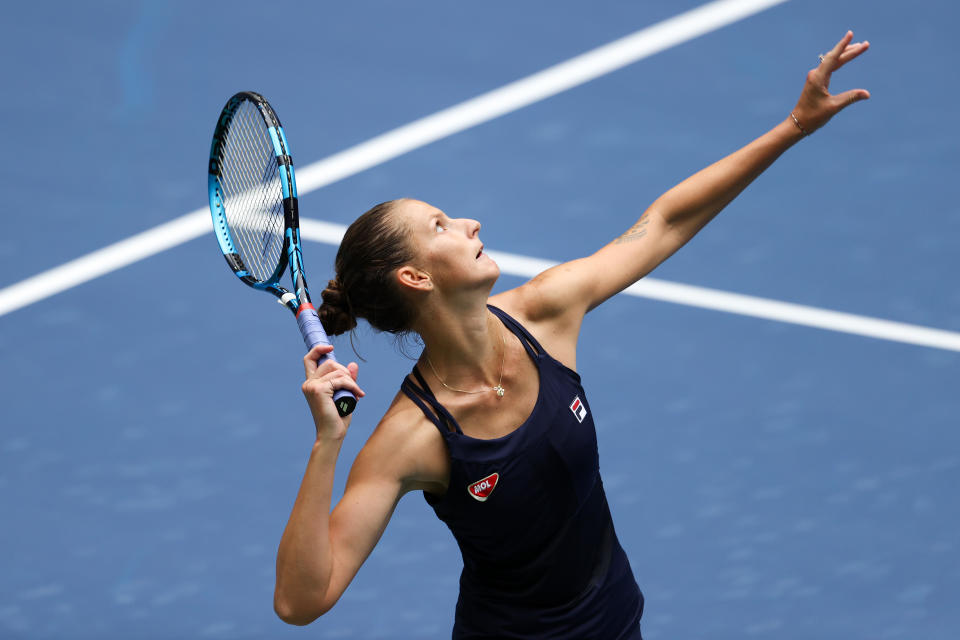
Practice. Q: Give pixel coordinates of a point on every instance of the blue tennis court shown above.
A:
(768, 479)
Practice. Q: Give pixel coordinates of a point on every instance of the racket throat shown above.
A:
(303, 307)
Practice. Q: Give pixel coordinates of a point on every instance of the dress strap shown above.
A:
(423, 397)
(526, 339)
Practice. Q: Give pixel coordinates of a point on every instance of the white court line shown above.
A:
(531, 89)
(103, 261)
(527, 267)
(566, 75)
(493, 104)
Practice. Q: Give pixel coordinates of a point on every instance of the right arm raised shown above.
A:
(320, 552)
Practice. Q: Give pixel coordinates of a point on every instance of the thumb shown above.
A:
(847, 98)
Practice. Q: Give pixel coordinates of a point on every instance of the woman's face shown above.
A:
(449, 249)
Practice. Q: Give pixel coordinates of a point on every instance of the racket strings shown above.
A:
(253, 200)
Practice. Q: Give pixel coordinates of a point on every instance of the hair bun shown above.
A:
(335, 312)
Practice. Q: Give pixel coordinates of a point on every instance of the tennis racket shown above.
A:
(253, 201)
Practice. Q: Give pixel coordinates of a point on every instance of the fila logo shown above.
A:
(579, 410)
(481, 489)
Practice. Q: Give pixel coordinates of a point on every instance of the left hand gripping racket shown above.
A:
(253, 201)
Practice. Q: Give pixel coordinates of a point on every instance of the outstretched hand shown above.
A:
(816, 105)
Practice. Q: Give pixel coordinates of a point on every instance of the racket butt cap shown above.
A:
(345, 404)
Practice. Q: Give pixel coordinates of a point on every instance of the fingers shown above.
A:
(329, 375)
(332, 382)
(851, 52)
(842, 53)
(354, 369)
(310, 361)
(319, 391)
(834, 54)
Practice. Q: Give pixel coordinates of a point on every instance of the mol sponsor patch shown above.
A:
(481, 489)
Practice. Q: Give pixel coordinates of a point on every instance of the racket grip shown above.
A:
(313, 335)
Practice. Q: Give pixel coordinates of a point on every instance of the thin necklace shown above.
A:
(499, 388)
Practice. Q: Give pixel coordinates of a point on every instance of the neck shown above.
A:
(464, 345)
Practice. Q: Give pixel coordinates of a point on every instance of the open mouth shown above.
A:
(480, 253)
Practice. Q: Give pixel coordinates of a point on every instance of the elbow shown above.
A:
(300, 613)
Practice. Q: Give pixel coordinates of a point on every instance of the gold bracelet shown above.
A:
(797, 122)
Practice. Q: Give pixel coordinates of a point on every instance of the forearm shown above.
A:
(690, 205)
(305, 556)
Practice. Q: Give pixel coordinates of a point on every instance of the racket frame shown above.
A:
(288, 185)
(291, 255)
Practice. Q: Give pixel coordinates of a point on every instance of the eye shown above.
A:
(440, 228)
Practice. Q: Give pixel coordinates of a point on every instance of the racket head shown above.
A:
(252, 191)
(253, 202)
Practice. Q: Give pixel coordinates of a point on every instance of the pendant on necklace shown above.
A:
(500, 391)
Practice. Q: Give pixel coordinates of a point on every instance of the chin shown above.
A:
(487, 260)
(490, 278)
(494, 271)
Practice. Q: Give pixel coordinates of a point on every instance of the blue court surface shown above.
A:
(767, 479)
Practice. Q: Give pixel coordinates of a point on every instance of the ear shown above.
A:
(413, 278)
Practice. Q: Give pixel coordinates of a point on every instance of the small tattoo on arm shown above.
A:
(635, 232)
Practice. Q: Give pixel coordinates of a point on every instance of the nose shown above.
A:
(473, 227)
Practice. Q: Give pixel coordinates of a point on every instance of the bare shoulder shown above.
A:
(555, 325)
(409, 445)
(545, 297)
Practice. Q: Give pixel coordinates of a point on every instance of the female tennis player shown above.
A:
(493, 425)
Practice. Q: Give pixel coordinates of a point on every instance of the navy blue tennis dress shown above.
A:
(540, 555)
